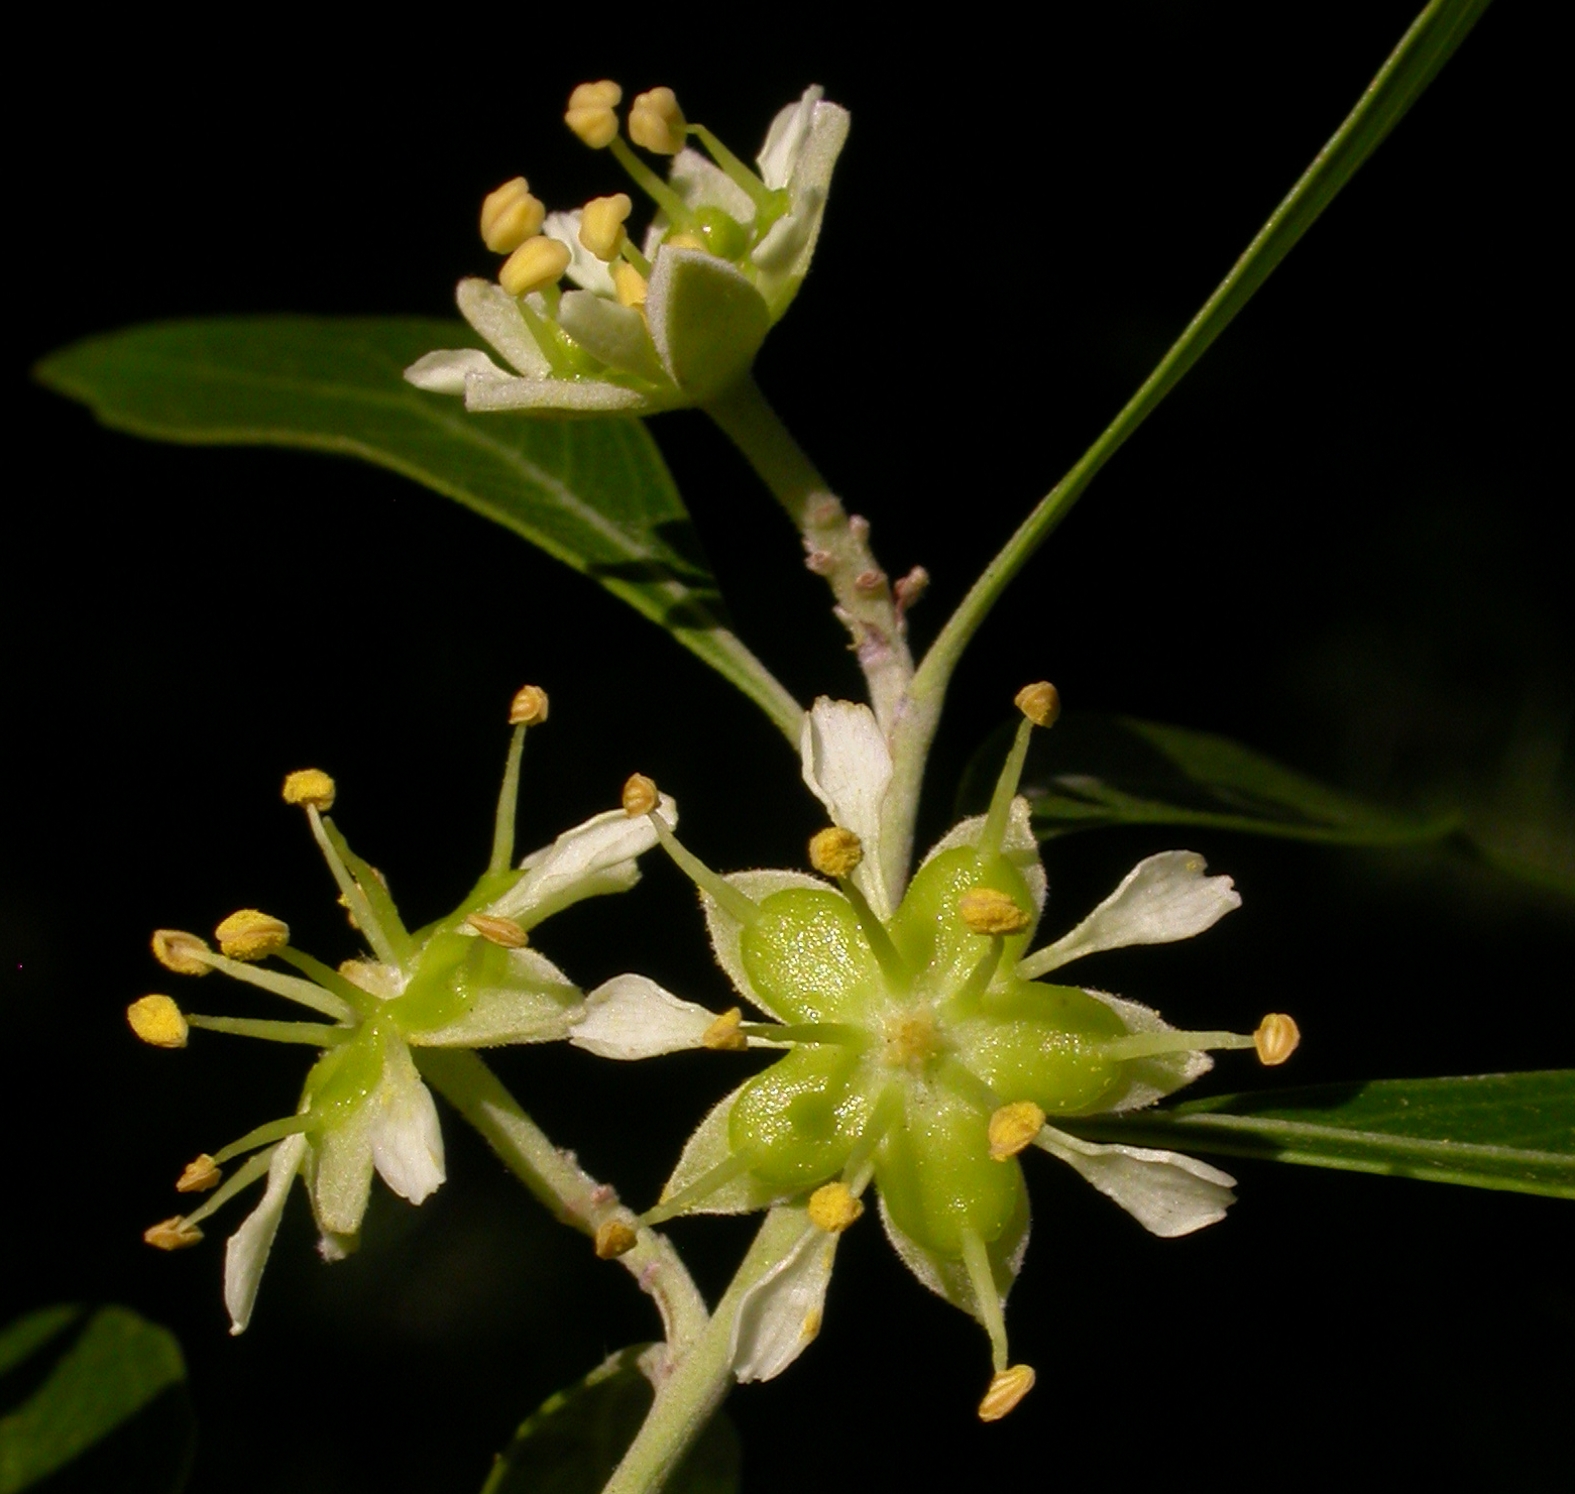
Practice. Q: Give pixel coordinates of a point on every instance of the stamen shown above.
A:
(511, 215)
(1013, 1128)
(157, 1021)
(898, 976)
(630, 283)
(265, 1135)
(291, 987)
(500, 931)
(858, 1169)
(357, 999)
(702, 1188)
(591, 112)
(565, 358)
(640, 796)
(316, 1034)
(737, 172)
(987, 1296)
(529, 706)
(199, 1176)
(986, 910)
(1276, 1039)
(656, 123)
(537, 263)
(601, 225)
(677, 210)
(726, 1034)
(172, 1234)
(250, 935)
(1040, 704)
(310, 786)
(961, 1003)
(835, 852)
(1007, 1388)
(350, 872)
(832, 1207)
(836, 1034)
(245, 1175)
(1154, 1044)
(181, 952)
(614, 1238)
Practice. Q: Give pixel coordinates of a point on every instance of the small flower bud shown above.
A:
(511, 215)
(656, 123)
(199, 1176)
(614, 1237)
(639, 795)
(601, 225)
(501, 931)
(629, 285)
(310, 786)
(1007, 1388)
(536, 264)
(1276, 1039)
(835, 852)
(987, 911)
(1013, 1127)
(590, 114)
(832, 1207)
(157, 1021)
(723, 1035)
(529, 706)
(869, 582)
(250, 935)
(177, 951)
(172, 1234)
(1040, 703)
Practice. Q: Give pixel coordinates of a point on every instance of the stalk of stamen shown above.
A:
(550, 340)
(639, 261)
(1154, 1044)
(317, 1034)
(291, 987)
(528, 708)
(737, 172)
(987, 1295)
(361, 1003)
(839, 1034)
(702, 1188)
(264, 1135)
(677, 210)
(898, 976)
(965, 999)
(1040, 705)
(244, 1175)
(860, 1166)
(355, 898)
(640, 797)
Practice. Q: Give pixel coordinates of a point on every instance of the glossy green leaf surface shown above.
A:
(594, 494)
(1508, 1131)
(75, 1383)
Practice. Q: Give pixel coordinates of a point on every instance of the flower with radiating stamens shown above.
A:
(676, 321)
(471, 980)
(924, 1054)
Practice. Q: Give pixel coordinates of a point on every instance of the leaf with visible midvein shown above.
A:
(594, 494)
(1509, 1131)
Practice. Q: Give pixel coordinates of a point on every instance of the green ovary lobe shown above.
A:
(452, 971)
(808, 958)
(801, 1118)
(929, 931)
(344, 1076)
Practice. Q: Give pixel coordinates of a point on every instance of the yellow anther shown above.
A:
(310, 786)
(176, 950)
(629, 285)
(835, 852)
(502, 931)
(1276, 1039)
(1013, 1127)
(199, 1176)
(723, 1035)
(639, 795)
(250, 935)
(614, 1238)
(656, 123)
(157, 1021)
(832, 1207)
(601, 225)
(1040, 703)
(685, 241)
(529, 706)
(1007, 1388)
(511, 215)
(536, 264)
(172, 1234)
(987, 911)
(590, 114)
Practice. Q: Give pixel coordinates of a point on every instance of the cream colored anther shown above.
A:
(536, 264)
(157, 1021)
(310, 786)
(177, 950)
(629, 285)
(601, 225)
(1276, 1039)
(1013, 1128)
(987, 911)
(639, 795)
(1040, 703)
(591, 112)
(835, 852)
(1007, 1388)
(656, 123)
(832, 1207)
(529, 706)
(251, 935)
(503, 932)
(723, 1035)
(511, 215)
(172, 1234)
(199, 1176)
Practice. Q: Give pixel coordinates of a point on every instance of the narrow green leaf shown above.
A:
(1509, 1131)
(1094, 770)
(114, 1370)
(594, 494)
(572, 1443)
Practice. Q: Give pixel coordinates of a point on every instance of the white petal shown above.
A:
(1149, 1079)
(949, 1278)
(448, 371)
(633, 1017)
(495, 314)
(786, 137)
(847, 766)
(725, 930)
(615, 335)
(708, 1148)
(1162, 899)
(1167, 1193)
(779, 250)
(1019, 845)
(702, 184)
(246, 1252)
(780, 1315)
(403, 1134)
(585, 270)
(577, 396)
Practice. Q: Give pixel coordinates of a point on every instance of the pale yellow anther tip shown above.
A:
(685, 241)
(832, 1207)
(199, 1176)
(656, 123)
(158, 1022)
(723, 1035)
(1276, 1039)
(501, 931)
(639, 795)
(601, 225)
(629, 285)
(835, 852)
(590, 113)
(511, 215)
(1013, 1127)
(536, 264)
(251, 935)
(310, 786)
(987, 911)
(1040, 703)
(614, 1237)
(172, 1234)
(529, 706)
(177, 950)
(1007, 1388)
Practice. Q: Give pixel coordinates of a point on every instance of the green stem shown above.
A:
(563, 1185)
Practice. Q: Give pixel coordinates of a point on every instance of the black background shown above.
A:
(1337, 542)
